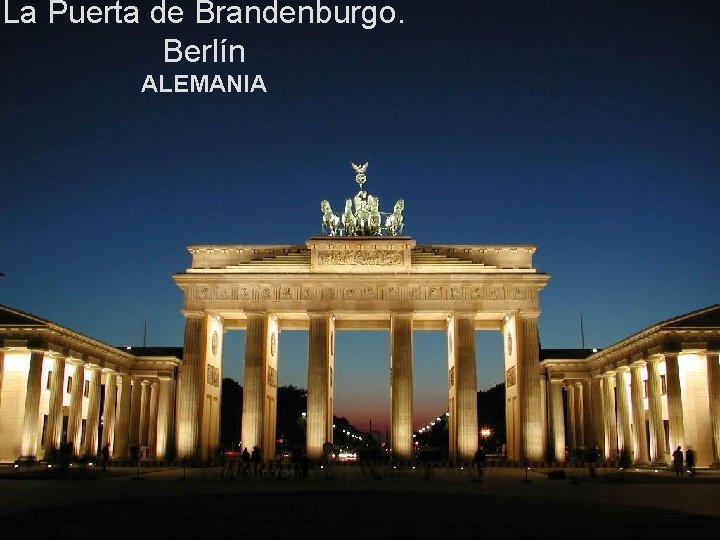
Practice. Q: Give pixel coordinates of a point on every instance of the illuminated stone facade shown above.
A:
(345, 283)
(60, 387)
(645, 396)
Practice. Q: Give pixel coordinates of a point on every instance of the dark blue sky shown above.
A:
(589, 129)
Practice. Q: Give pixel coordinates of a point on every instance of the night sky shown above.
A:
(590, 129)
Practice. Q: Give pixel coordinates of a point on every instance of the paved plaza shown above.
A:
(349, 502)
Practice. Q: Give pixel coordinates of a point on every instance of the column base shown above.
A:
(715, 465)
(659, 465)
(26, 460)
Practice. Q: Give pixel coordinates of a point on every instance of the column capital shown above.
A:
(670, 355)
(637, 364)
(655, 360)
(192, 314)
(608, 374)
(622, 369)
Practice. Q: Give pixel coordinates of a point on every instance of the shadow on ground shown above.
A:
(368, 514)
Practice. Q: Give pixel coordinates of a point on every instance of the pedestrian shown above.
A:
(591, 457)
(296, 458)
(480, 460)
(255, 458)
(690, 461)
(105, 455)
(678, 461)
(304, 466)
(245, 456)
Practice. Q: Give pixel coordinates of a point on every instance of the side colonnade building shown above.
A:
(639, 399)
(59, 387)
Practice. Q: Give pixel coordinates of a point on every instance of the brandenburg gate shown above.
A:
(362, 274)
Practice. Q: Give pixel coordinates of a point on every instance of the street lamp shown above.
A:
(485, 433)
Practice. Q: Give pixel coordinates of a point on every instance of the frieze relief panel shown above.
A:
(266, 293)
(383, 257)
(213, 376)
(495, 293)
(271, 377)
(510, 377)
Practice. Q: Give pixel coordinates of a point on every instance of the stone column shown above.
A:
(557, 419)
(144, 412)
(598, 417)
(401, 385)
(609, 416)
(570, 391)
(76, 400)
(588, 428)
(53, 430)
(190, 393)
(93, 415)
(544, 415)
(624, 427)
(153, 414)
(255, 379)
(108, 433)
(2, 370)
(579, 416)
(28, 447)
(122, 421)
(637, 392)
(676, 425)
(465, 374)
(164, 416)
(319, 402)
(713, 379)
(657, 429)
(135, 409)
(528, 381)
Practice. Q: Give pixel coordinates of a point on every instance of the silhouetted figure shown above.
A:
(678, 461)
(246, 458)
(480, 460)
(135, 454)
(592, 455)
(304, 466)
(296, 459)
(690, 461)
(255, 458)
(65, 453)
(105, 453)
(327, 451)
